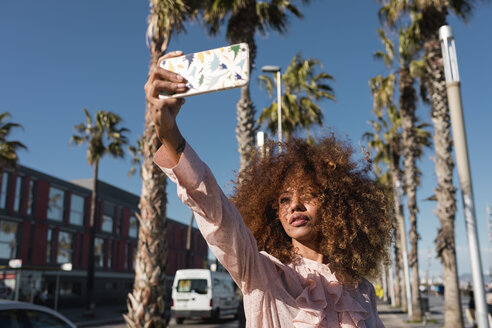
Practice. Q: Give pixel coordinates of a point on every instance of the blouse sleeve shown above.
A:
(374, 304)
(218, 220)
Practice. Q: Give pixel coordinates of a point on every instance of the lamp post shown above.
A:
(461, 150)
(276, 69)
(403, 245)
(64, 267)
(260, 142)
(16, 264)
(489, 221)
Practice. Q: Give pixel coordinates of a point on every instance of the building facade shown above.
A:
(44, 227)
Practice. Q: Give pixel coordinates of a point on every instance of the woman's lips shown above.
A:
(298, 220)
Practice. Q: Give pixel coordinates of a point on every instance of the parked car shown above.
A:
(202, 293)
(25, 315)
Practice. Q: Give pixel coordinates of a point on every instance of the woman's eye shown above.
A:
(310, 198)
(284, 200)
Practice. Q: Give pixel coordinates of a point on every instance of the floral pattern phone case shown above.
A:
(211, 70)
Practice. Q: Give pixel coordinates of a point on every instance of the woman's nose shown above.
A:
(296, 204)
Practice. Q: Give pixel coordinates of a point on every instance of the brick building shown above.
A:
(44, 222)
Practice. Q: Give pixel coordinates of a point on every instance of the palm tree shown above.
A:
(387, 143)
(376, 142)
(384, 140)
(384, 182)
(246, 17)
(433, 16)
(104, 137)
(8, 148)
(303, 89)
(408, 50)
(148, 301)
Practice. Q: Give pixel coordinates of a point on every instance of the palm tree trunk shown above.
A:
(245, 129)
(189, 263)
(397, 284)
(91, 305)
(147, 303)
(239, 31)
(408, 98)
(401, 229)
(445, 190)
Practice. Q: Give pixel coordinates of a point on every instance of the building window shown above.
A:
(18, 193)
(108, 218)
(133, 227)
(4, 190)
(55, 205)
(8, 240)
(99, 252)
(65, 247)
(30, 192)
(77, 210)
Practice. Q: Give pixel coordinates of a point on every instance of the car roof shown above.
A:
(13, 305)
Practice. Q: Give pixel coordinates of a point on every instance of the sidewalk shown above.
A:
(104, 315)
(396, 318)
(391, 317)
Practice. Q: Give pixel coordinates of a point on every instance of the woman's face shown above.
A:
(299, 214)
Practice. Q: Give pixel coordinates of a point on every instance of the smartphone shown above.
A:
(211, 70)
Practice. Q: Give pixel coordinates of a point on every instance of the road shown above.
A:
(435, 316)
(223, 323)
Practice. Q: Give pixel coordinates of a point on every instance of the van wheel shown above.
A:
(216, 315)
(180, 321)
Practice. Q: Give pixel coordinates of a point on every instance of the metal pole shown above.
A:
(260, 142)
(404, 251)
(429, 257)
(385, 286)
(463, 165)
(489, 221)
(392, 286)
(17, 283)
(279, 106)
(462, 161)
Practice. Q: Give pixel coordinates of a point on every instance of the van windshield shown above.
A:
(199, 286)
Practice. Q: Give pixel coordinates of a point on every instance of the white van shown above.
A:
(202, 293)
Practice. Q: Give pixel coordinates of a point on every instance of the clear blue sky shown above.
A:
(58, 57)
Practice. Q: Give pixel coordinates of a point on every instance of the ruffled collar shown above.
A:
(324, 301)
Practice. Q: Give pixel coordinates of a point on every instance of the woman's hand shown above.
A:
(164, 111)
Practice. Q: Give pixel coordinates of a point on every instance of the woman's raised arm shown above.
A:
(164, 111)
(217, 218)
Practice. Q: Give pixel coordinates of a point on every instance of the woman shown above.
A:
(315, 223)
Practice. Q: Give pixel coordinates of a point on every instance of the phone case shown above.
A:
(211, 70)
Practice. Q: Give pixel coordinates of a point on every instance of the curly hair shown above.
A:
(355, 229)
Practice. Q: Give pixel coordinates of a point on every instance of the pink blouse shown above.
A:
(302, 294)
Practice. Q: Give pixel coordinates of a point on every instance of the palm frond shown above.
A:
(266, 83)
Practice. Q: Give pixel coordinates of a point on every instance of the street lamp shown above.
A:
(459, 139)
(63, 267)
(260, 142)
(489, 221)
(16, 264)
(276, 69)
